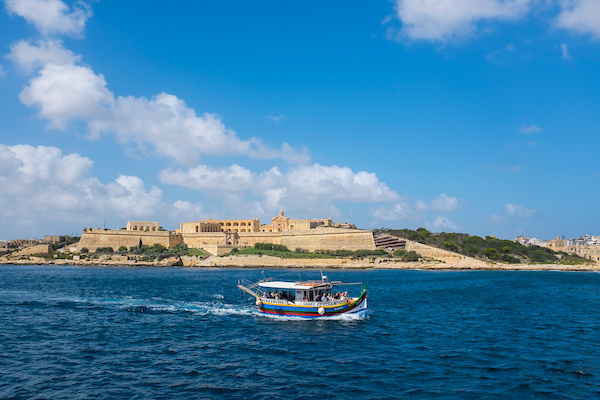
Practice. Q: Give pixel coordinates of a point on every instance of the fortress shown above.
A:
(218, 237)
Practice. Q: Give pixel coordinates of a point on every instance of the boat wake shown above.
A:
(156, 305)
(341, 317)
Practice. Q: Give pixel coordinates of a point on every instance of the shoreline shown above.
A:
(269, 262)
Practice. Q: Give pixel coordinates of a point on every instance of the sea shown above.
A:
(70, 332)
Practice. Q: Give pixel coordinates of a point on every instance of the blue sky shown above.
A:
(478, 116)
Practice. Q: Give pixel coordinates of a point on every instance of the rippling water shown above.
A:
(72, 332)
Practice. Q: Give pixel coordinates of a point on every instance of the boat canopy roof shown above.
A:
(292, 285)
(301, 285)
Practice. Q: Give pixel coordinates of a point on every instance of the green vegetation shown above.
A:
(302, 253)
(71, 239)
(84, 250)
(104, 250)
(270, 246)
(407, 255)
(488, 248)
(159, 251)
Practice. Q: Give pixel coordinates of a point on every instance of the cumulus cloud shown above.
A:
(416, 210)
(396, 212)
(441, 222)
(529, 129)
(65, 90)
(442, 203)
(32, 55)
(511, 211)
(581, 16)
(41, 187)
(52, 16)
(515, 210)
(301, 186)
(444, 20)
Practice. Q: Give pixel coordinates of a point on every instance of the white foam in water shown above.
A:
(199, 308)
(340, 317)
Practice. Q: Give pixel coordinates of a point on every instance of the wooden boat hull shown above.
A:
(358, 306)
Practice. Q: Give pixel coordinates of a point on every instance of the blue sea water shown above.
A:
(145, 333)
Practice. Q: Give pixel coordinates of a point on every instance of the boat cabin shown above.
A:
(298, 292)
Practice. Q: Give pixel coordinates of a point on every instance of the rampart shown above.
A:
(312, 239)
(329, 239)
(95, 238)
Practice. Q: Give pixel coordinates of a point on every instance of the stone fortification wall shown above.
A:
(239, 239)
(313, 239)
(329, 238)
(94, 238)
(445, 255)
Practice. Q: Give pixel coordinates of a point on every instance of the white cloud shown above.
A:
(42, 188)
(441, 222)
(276, 118)
(442, 203)
(529, 129)
(64, 91)
(52, 16)
(565, 52)
(397, 212)
(496, 219)
(338, 183)
(301, 189)
(304, 185)
(516, 169)
(404, 210)
(445, 20)
(221, 180)
(511, 211)
(515, 210)
(581, 16)
(31, 56)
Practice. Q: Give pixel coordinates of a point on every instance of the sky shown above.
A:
(474, 116)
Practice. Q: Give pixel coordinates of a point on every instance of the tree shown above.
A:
(84, 250)
(122, 249)
(489, 253)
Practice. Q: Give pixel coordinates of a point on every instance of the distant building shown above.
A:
(527, 241)
(146, 226)
(56, 239)
(279, 223)
(591, 252)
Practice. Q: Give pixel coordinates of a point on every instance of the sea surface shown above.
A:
(159, 333)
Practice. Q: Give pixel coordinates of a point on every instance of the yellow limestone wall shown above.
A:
(312, 239)
(329, 239)
(94, 238)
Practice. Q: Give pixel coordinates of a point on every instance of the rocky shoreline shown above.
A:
(276, 262)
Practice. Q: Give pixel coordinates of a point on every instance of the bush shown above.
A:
(122, 249)
(489, 253)
(104, 250)
(270, 246)
(158, 248)
(407, 255)
(84, 250)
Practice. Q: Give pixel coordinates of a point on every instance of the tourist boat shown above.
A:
(304, 298)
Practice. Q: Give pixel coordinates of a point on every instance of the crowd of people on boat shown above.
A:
(279, 296)
(319, 295)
